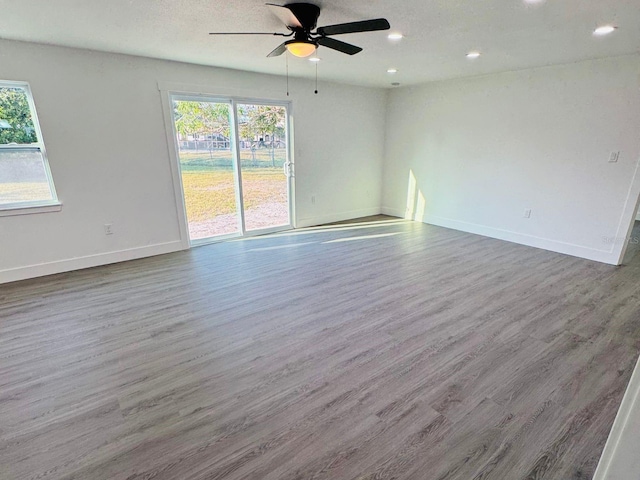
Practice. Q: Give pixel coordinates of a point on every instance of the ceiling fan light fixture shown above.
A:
(301, 48)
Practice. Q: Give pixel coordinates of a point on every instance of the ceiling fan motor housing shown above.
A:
(306, 13)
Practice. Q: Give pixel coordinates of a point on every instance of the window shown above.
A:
(25, 179)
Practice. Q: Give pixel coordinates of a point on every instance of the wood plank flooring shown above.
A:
(382, 350)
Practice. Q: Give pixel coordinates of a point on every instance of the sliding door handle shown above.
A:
(288, 169)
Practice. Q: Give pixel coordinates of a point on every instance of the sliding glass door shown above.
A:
(207, 166)
(264, 165)
(234, 165)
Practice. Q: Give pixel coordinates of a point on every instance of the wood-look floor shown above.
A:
(393, 350)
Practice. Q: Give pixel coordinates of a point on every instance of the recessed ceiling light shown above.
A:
(604, 30)
(395, 36)
(314, 59)
(392, 70)
(473, 54)
(534, 2)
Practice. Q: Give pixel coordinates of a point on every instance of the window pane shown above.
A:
(206, 165)
(263, 154)
(23, 177)
(16, 124)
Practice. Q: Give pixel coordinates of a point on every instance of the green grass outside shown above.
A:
(209, 188)
(222, 159)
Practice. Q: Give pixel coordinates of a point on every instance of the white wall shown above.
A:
(484, 149)
(102, 122)
(481, 150)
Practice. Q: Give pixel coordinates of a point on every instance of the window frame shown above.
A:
(35, 206)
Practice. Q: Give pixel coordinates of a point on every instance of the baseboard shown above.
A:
(43, 269)
(336, 217)
(603, 256)
(392, 212)
(619, 459)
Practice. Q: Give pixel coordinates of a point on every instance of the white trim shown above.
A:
(60, 266)
(223, 91)
(268, 231)
(393, 212)
(176, 176)
(628, 214)
(199, 242)
(237, 236)
(337, 217)
(604, 256)
(292, 167)
(31, 147)
(237, 170)
(16, 209)
(614, 464)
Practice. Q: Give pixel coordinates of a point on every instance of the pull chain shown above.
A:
(286, 56)
(316, 92)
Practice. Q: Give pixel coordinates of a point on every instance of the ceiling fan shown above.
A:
(301, 19)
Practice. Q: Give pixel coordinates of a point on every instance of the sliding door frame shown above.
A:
(168, 96)
(289, 165)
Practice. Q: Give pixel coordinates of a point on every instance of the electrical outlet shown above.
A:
(527, 213)
(108, 229)
(613, 157)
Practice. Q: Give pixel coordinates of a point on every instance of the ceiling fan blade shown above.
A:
(285, 15)
(248, 33)
(355, 27)
(278, 51)
(338, 45)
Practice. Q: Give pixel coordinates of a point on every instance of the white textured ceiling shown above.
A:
(511, 34)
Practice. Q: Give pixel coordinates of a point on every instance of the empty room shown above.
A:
(320, 240)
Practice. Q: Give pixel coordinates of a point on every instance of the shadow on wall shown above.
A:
(416, 203)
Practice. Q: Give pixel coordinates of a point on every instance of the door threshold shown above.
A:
(234, 236)
(217, 239)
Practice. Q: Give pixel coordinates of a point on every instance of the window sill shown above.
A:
(8, 211)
